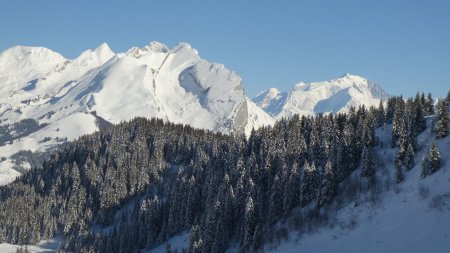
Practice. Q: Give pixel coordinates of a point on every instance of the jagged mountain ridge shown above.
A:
(332, 96)
(154, 81)
(69, 97)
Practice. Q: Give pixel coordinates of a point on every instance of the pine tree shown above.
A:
(418, 116)
(276, 200)
(432, 162)
(398, 123)
(429, 107)
(258, 239)
(381, 115)
(434, 159)
(328, 188)
(448, 98)
(441, 127)
(409, 159)
(368, 165)
(292, 189)
(424, 167)
(250, 223)
(401, 152)
(310, 184)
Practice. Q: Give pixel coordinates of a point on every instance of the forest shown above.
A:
(134, 185)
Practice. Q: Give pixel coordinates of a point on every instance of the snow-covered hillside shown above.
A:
(69, 98)
(412, 216)
(321, 97)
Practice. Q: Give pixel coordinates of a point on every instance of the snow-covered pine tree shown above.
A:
(441, 127)
(276, 200)
(310, 184)
(429, 107)
(328, 188)
(250, 223)
(409, 158)
(381, 115)
(292, 188)
(398, 123)
(431, 162)
(418, 116)
(368, 165)
(401, 152)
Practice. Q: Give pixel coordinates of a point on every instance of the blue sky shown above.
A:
(402, 45)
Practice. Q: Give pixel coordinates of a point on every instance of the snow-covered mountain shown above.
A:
(69, 98)
(321, 97)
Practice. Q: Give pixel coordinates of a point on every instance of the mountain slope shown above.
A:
(333, 96)
(102, 86)
(409, 217)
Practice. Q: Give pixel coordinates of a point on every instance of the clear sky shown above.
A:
(402, 45)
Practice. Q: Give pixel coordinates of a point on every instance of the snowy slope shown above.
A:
(45, 246)
(175, 84)
(321, 97)
(405, 220)
(410, 217)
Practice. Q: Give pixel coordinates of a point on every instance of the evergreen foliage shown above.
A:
(431, 163)
(443, 121)
(135, 185)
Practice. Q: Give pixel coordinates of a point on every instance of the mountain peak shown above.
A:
(19, 53)
(159, 47)
(99, 55)
(348, 76)
(152, 47)
(26, 63)
(183, 45)
(103, 49)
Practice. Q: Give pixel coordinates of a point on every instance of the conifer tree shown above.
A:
(418, 116)
(310, 183)
(381, 115)
(328, 188)
(401, 152)
(441, 127)
(409, 159)
(368, 165)
(431, 163)
(448, 98)
(429, 107)
(398, 123)
(434, 158)
(250, 223)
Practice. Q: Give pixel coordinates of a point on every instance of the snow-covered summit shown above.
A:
(152, 47)
(332, 96)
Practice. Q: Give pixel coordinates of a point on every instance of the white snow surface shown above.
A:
(333, 96)
(154, 81)
(176, 243)
(46, 246)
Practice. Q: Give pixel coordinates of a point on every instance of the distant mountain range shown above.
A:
(333, 96)
(47, 99)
